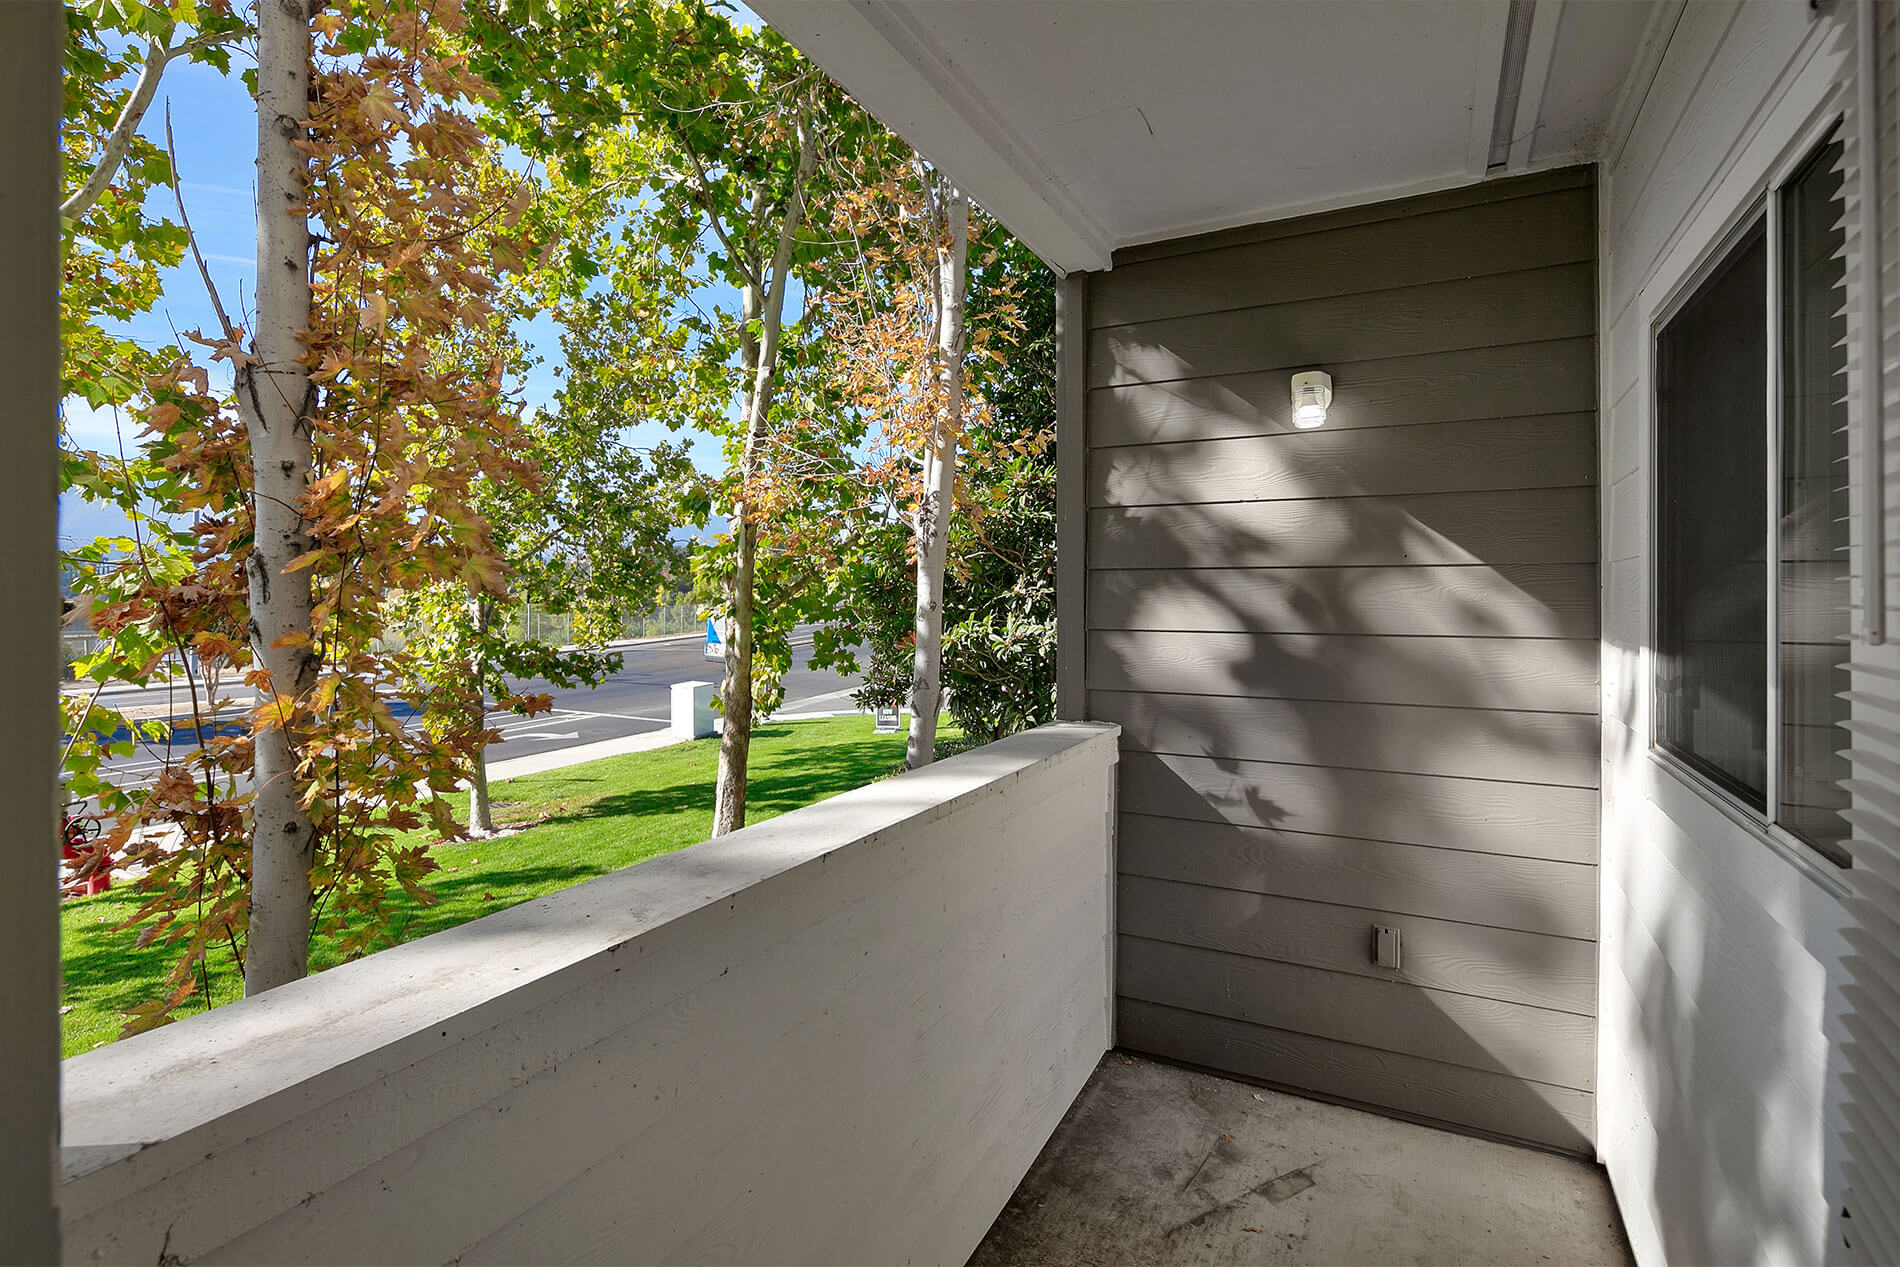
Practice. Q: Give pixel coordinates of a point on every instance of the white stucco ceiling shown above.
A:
(1088, 125)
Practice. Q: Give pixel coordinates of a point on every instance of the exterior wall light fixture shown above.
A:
(1312, 395)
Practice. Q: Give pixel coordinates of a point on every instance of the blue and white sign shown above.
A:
(715, 649)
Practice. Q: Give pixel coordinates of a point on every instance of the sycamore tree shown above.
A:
(458, 654)
(912, 362)
(118, 236)
(1000, 641)
(715, 141)
(998, 584)
(335, 476)
(140, 587)
(593, 537)
(902, 342)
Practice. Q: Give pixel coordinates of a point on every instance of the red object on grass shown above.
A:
(73, 848)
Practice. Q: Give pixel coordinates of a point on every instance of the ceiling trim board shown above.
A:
(1539, 55)
(1517, 41)
(1493, 24)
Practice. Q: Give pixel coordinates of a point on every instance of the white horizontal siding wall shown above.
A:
(1870, 1054)
(1718, 1068)
(839, 1036)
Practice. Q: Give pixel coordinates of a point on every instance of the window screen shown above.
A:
(1712, 524)
(1812, 595)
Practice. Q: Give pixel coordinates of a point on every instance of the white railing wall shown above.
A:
(839, 1036)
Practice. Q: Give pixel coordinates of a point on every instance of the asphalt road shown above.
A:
(640, 698)
(636, 699)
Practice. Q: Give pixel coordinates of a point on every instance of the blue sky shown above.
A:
(214, 123)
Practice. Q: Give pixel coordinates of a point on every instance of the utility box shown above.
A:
(693, 710)
(1387, 951)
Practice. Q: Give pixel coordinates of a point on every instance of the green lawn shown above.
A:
(588, 820)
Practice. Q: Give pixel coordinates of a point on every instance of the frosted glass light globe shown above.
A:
(1312, 393)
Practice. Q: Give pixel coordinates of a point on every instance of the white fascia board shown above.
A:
(891, 66)
(1663, 18)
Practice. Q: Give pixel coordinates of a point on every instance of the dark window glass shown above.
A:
(1712, 524)
(1812, 595)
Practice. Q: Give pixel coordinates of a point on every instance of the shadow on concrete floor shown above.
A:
(1158, 1164)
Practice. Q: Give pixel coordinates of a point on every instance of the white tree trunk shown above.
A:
(759, 357)
(937, 494)
(275, 398)
(735, 691)
(481, 818)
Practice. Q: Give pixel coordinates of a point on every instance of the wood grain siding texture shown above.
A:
(1533, 895)
(1550, 451)
(1464, 743)
(1555, 525)
(1498, 237)
(1494, 963)
(1533, 304)
(1543, 1045)
(1356, 669)
(1524, 600)
(1360, 213)
(1522, 820)
(1520, 674)
(1509, 381)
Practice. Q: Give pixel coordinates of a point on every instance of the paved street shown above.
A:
(634, 700)
(639, 698)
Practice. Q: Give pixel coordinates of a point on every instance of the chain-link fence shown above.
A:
(558, 627)
(75, 647)
(543, 626)
(678, 618)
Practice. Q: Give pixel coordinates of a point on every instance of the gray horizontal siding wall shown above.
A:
(1356, 668)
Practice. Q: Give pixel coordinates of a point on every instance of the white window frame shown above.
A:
(1762, 200)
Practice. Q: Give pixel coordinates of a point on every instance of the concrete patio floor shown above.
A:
(1158, 1164)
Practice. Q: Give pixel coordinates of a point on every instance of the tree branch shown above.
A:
(702, 190)
(781, 270)
(171, 150)
(157, 57)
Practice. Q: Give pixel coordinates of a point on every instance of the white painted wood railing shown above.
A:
(838, 1036)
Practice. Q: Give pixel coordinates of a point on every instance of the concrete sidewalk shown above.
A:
(646, 741)
(579, 754)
